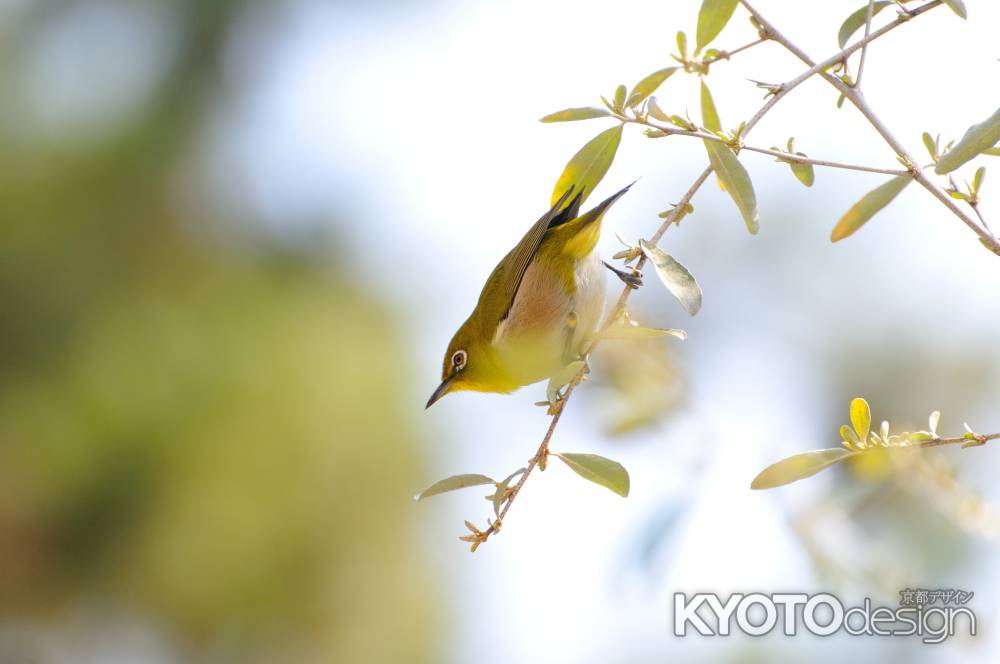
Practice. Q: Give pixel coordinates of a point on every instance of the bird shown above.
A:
(539, 308)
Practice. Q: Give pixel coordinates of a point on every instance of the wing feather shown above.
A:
(507, 276)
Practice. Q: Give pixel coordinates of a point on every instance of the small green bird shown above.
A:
(540, 306)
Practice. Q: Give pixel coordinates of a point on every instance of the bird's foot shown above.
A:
(633, 278)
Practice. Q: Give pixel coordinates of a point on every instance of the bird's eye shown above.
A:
(459, 359)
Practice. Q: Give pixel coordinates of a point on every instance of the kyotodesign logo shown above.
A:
(932, 615)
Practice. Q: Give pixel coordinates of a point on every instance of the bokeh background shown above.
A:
(236, 236)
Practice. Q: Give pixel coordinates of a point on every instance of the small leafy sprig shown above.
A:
(860, 438)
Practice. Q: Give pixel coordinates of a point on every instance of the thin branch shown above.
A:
(855, 96)
(782, 156)
(725, 55)
(978, 439)
(864, 49)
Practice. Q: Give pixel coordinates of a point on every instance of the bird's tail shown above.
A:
(582, 233)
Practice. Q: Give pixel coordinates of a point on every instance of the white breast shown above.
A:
(588, 301)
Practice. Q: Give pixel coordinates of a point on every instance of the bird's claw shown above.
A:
(632, 278)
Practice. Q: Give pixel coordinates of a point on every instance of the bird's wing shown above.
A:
(510, 272)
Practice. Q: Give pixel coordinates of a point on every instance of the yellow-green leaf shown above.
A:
(571, 114)
(712, 18)
(620, 96)
(653, 108)
(735, 180)
(993, 152)
(638, 332)
(861, 417)
(709, 114)
(958, 7)
(799, 467)
(868, 206)
(977, 139)
(804, 172)
(589, 165)
(648, 85)
(598, 469)
(857, 20)
(847, 433)
(454, 483)
(675, 277)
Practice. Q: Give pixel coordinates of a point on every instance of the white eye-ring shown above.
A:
(458, 359)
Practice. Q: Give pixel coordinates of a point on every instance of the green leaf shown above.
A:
(638, 332)
(709, 114)
(454, 483)
(930, 144)
(977, 179)
(735, 180)
(654, 109)
(589, 165)
(848, 434)
(861, 417)
(868, 206)
(571, 114)
(682, 43)
(648, 85)
(620, 96)
(958, 7)
(799, 467)
(675, 277)
(804, 172)
(993, 152)
(712, 18)
(857, 20)
(597, 469)
(978, 138)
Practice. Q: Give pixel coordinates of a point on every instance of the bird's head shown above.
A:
(468, 365)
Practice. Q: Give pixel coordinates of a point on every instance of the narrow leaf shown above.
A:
(978, 138)
(598, 469)
(958, 7)
(675, 277)
(799, 467)
(454, 483)
(868, 206)
(861, 417)
(993, 152)
(804, 172)
(735, 180)
(588, 166)
(857, 20)
(570, 114)
(638, 332)
(933, 420)
(654, 109)
(848, 434)
(930, 144)
(712, 18)
(709, 114)
(620, 96)
(977, 179)
(648, 85)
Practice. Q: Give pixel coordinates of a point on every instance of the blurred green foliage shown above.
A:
(202, 431)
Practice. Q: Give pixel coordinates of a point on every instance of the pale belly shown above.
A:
(547, 327)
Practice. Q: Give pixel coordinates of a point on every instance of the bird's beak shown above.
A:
(441, 390)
